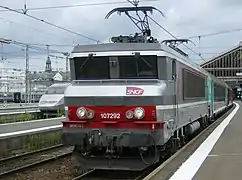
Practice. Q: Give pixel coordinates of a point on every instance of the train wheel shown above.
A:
(181, 137)
(205, 121)
(202, 124)
(213, 117)
(169, 150)
(182, 140)
(174, 145)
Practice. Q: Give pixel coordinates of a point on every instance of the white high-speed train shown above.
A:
(53, 101)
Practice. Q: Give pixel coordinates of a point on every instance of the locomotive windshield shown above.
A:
(92, 68)
(122, 67)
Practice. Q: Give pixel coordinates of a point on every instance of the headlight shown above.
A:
(90, 114)
(129, 114)
(81, 112)
(139, 113)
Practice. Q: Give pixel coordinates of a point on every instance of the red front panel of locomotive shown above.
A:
(126, 117)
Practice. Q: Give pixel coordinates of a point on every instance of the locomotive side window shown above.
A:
(193, 86)
(92, 68)
(174, 69)
(219, 92)
(138, 67)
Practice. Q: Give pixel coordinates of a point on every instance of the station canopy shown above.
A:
(227, 66)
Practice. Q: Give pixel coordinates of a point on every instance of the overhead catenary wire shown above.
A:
(215, 33)
(24, 45)
(32, 28)
(175, 37)
(35, 47)
(51, 24)
(57, 45)
(77, 5)
(38, 49)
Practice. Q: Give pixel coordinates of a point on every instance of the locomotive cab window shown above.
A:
(135, 67)
(92, 68)
(138, 67)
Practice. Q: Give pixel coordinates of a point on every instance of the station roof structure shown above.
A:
(227, 66)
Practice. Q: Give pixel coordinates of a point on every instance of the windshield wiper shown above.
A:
(137, 57)
(90, 56)
(148, 64)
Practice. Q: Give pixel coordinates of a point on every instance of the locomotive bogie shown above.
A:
(120, 138)
(133, 162)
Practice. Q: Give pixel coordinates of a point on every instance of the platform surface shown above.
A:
(219, 156)
(224, 162)
(21, 126)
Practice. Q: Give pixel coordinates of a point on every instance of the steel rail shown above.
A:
(36, 163)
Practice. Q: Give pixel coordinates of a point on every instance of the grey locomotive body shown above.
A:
(172, 93)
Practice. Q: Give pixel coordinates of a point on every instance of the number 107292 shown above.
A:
(110, 115)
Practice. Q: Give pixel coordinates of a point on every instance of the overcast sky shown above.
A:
(184, 18)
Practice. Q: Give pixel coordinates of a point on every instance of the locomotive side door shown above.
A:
(212, 97)
(209, 94)
(175, 97)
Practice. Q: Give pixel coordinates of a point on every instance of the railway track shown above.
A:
(22, 162)
(105, 174)
(145, 174)
(94, 174)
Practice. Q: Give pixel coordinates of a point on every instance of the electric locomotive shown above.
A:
(136, 100)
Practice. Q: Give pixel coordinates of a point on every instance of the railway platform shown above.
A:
(224, 162)
(219, 157)
(13, 128)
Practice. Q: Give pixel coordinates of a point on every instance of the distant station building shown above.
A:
(228, 67)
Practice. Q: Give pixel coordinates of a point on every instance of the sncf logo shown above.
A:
(134, 91)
